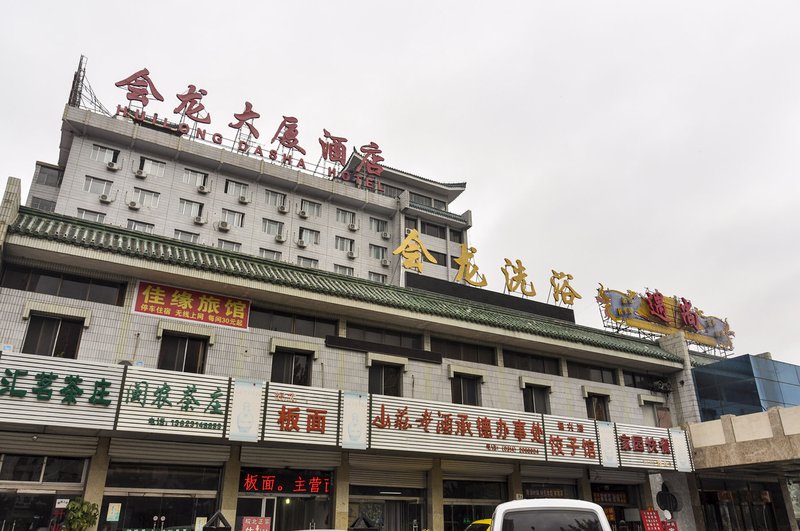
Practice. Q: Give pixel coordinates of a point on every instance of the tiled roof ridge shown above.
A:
(436, 211)
(119, 240)
(421, 178)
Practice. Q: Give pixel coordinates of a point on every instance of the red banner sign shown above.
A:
(190, 305)
(256, 523)
(650, 520)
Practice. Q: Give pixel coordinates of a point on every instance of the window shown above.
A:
(227, 245)
(420, 199)
(90, 215)
(439, 205)
(309, 235)
(376, 251)
(49, 469)
(184, 236)
(190, 208)
(411, 223)
(441, 258)
(307, 262)
(386, 379)
(269, 254)
(273, 228)
(291, 368)
(431, 229)
(384, 336)
(93, 185)
(233, 218)
(462, 351)
(63, 285)
(530, 362)
(53, 336)
(292, 323)
(378, 225)
(456, 236)
(152, 167)
(43, 204)
(657, 415)
(377, 277)
(275, 199)
(195, 178)
(343, 270)
(466, 389)
(597, 407)
(141, 226)
(104, 154)
(345, 216)
(182, 353)
(345, 244)
(591, 372)
(534, 398)
(48, 176)
(311, 208)
(642, 381)
(391, 191)
(235, 188)
(146, 198)
(453, 263)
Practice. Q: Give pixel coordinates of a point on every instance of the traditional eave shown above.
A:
(118, 241)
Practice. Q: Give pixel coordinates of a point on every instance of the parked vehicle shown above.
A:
(549, 515)
(480, 525)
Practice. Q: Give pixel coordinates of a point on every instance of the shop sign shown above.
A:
(114, 510)
(255, 523)
(422, 426)
(246, 411)
(43, 390)
(300, 414)
(644, 447)
(571, 440)
(605, 497)
(168, 402)
(355, 420)
(681, 453)
(659, 314)
(650, 520)
(285, 481)
(189, 305)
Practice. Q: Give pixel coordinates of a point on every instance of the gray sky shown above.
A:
(638, 144)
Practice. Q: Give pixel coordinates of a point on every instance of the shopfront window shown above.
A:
(374, 508)
(467, 501)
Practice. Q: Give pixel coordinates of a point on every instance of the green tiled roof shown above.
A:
(116, 240)
(438, 212)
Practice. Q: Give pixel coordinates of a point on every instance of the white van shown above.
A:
(549, 515)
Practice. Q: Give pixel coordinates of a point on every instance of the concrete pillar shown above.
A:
(697, 506)
(435, 497)
(515, 491)
(786, 494)
(229, 496)
(585, 487)
(96, 477)
(684, 396)
(341, 493)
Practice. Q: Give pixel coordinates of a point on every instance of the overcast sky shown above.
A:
(638, 144)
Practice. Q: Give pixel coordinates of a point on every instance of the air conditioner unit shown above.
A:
(141, 174)
(282, 209)
(303, 214)
(353, 227)
(280, 238)
(301, 243)
(386, 236)
(113, 166)
(408, 231)
(105, 198)
(352, 254)
(133, 205)
(203, 189)
(243, 199)
(199, 220)
(385, 262)
(223, 226)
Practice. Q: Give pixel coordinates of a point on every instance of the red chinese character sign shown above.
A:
(189, 305)
(284, 481)
(407, 424)
(644, 447)
(256, 523)
(300, 414)
(650, 520)
(571, 440)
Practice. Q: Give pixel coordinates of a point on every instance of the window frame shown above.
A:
(97, 149)
(229, 245)
(183, 204)
(344, 270)
(179, 235)
(101, 216)
(311, 207)
(304, 261)
(378, 225)
(267, 225)
(530, 403)
(380, 278)
(146, 198)
(377, 378)
(458, 381)
(378, 252)
(141, 226)
(280, 355)
(234, 218)
(202, 357)
(276, 255)
(89, 185)
(148, 165)
(200, 178)
(236, 188)
(344, 244)
(270, 194)
(346, 217)
(36, 317)
(595, 401)
(313, 233)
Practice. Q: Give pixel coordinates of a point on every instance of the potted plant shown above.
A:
(80, 515)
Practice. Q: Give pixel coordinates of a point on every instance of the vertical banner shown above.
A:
(355, 420)
(607, 437)
(680, 450)
(246, 412)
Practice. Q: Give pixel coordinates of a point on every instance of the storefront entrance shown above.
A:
(284, 513)
(26, 512)
(154, 512)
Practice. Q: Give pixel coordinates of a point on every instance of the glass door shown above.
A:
(257, 511)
